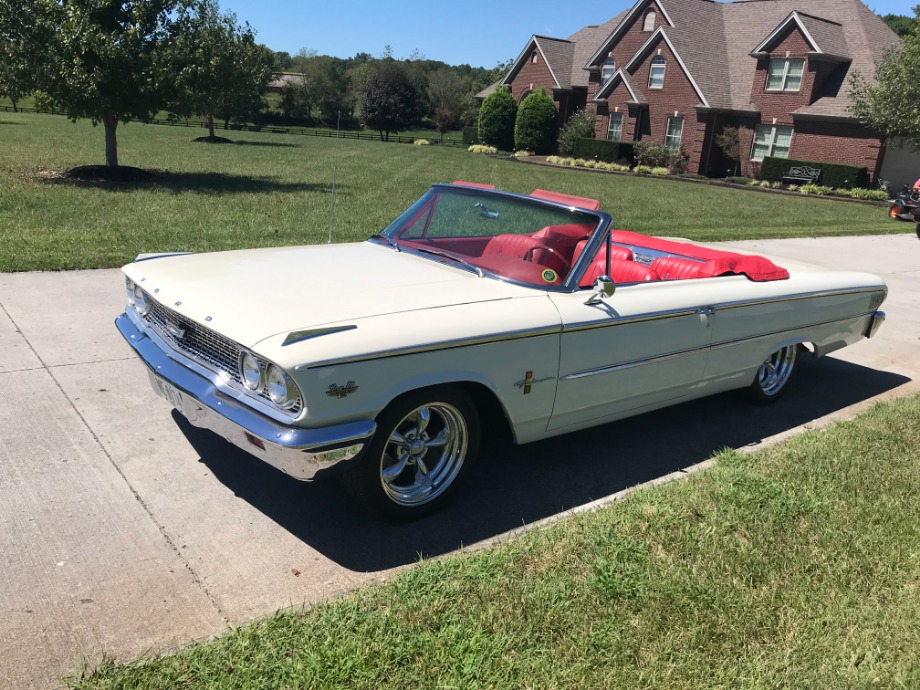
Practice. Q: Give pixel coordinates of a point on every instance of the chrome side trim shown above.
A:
(633, 364)
(805, 295)
(300, 336)
(651, 316)
(878, 318)
(739, 341)
(434, 347)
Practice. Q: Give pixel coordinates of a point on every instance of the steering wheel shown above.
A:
(528, 256)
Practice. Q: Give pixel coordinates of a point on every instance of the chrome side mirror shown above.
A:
(604, 287)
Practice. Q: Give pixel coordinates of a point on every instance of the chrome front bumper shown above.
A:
(301, 453)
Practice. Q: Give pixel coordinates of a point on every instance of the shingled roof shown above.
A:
(718, 43)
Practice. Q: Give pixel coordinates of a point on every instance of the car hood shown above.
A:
(250, 295)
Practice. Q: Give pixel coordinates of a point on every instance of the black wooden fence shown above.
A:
(275, 129)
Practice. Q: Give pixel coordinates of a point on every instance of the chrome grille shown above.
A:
(208, 348)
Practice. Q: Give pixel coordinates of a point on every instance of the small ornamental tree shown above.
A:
(390, 102)
(730, 140)
(496, 120)
(535, 125)
(579, 126)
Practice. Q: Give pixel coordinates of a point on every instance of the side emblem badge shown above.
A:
(336, 391)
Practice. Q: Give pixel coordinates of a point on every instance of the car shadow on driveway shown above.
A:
(516, 485)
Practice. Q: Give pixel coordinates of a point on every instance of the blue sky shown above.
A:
(475, 32)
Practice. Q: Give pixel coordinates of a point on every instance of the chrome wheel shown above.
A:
(774, 373)
(424, 453)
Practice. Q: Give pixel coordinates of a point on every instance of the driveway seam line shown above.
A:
(196, 579)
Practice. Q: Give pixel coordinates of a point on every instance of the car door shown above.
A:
(645, 345)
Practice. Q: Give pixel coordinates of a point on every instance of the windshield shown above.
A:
(493, 233)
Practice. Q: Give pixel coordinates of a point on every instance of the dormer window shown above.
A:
(533, 57)
(649, 23)
(785, 75)
(656, 73)
(608, 69)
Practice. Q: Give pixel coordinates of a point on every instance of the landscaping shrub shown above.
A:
(643, 170)
(832, 174)
(871, 194)
(815, 189)
(535, 125)
(482, 148)
(579, 126)
(660, 170)
(523, 154)
(652, 155)
(739, 180)
(606, 151)
(470, 136)
(496, 120)
(421, 142)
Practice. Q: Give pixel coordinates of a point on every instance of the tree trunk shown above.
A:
(13, 101)
(211, 126)
(110, 122)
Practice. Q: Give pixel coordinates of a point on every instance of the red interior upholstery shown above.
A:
(621, 271)
(675, 268)
(617, 252)
(528, 248)
(567, 199)
(478, 185)
(717, 261)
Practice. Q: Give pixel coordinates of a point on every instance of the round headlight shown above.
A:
(251, 371)
(141, 301)
(280, 388)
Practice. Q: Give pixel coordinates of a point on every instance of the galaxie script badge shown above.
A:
(336, 391)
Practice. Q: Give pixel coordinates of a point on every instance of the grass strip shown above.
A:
(793, 567)
(272, 190)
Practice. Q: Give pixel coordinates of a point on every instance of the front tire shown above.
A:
(773, 376)
(425, 444)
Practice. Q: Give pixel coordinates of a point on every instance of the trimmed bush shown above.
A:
(535, 126)
(606, 151)
(579, 126)
(470, 136)
(482, 148)
(832, 174)
(496, 120)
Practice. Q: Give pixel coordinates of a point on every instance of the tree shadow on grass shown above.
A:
(516, 485)
(201, 182)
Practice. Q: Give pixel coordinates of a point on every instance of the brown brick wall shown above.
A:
(836, 142)
(780, 104)
(535, 74)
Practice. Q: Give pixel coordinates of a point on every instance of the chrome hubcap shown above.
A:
(424, 454)
(777, 368)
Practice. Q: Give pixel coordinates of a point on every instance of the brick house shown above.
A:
(679, 71)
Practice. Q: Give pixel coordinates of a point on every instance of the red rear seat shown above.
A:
(618, 252)
(675, 268)
(620, 271)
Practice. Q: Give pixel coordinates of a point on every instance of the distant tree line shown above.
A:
(348, 92)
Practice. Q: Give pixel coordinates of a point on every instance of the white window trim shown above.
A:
(771, 141)
(610, 122)
(612, 66)
(667, 130)
(664, 66)
(786, 64)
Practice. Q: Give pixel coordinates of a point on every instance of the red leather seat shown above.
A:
(527, 248)
(620, 272)
(675, 268)
(618, 252)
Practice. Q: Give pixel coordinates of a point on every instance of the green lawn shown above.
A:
(267, 189)
(795, 567)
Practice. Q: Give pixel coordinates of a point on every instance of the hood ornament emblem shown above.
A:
(175, 330)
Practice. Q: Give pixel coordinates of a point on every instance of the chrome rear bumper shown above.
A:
(301, 453)
(875, 322)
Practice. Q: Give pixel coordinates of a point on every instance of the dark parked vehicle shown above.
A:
(906, 206)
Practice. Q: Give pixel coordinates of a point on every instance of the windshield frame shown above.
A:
(599, 235)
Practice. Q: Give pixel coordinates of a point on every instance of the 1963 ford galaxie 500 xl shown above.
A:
(474, 310)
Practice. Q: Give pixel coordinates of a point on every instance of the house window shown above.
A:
(533, 57)
(615, 127)
(656, 74)
(608, 68)
(771, 140)
(674, 133)
(649, 24)
(785, 75)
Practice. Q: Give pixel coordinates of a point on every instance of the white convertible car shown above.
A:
(475, 310)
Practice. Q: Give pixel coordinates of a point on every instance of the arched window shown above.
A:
(656, 73)
(649, 23)
(608, 68)
(533, 57)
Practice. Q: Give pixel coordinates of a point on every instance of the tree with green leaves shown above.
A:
(390, 101)
(580, 125)
(899, 23)
(891, 104)
(100, 59)
(535, 125)
(730, 140)
(497, 117)
(218, 68)
(445, 94)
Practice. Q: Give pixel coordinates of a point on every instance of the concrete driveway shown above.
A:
(126, 532)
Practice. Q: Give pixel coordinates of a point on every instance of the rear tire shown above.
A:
(896, 210)
(773, 376)
(425, 445)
